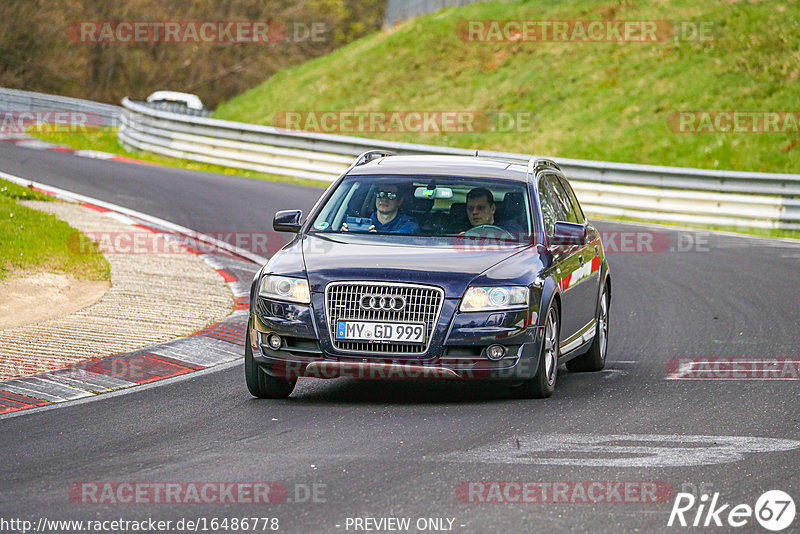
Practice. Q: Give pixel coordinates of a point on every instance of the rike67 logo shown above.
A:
(774, 510)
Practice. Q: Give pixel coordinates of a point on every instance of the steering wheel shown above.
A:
(489, 230)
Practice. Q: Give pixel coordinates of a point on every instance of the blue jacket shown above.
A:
(401, 224)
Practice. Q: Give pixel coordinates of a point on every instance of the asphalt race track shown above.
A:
(408, 449)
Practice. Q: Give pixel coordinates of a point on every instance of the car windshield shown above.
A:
(436, 206)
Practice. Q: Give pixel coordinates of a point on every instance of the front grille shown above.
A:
(423, 305)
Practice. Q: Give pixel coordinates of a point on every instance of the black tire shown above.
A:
(259, 383)
(543, 384)
(595, 358)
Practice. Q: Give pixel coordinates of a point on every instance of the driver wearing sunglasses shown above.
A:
(387, 217)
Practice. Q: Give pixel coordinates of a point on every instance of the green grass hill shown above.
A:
(608, 101)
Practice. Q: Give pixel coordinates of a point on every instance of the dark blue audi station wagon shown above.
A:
(433, 267)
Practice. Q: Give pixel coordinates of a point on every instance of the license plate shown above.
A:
(386, 332)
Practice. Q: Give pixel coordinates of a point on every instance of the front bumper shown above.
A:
(456, 350)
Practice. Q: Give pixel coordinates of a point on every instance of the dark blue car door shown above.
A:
(584, 283)
(565, 258)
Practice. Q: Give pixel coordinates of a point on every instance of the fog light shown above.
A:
(496, 352)
(274, 341)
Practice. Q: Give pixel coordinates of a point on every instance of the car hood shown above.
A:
(450, 264)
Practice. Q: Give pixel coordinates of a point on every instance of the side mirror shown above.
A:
(287, 221)
(567, 233)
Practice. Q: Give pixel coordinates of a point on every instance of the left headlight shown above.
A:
(494, 298)
(285, 288)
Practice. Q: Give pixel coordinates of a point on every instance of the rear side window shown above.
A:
(563, 199)
(552, 209)
(568, 188)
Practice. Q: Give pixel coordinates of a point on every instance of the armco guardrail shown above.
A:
(668, 194)
(671, 194)
(177, 107)
(16, 100)
(764, 200)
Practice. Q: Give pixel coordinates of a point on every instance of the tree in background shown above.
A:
(37, 53)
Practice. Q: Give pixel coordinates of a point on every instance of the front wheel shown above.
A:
(595, 357)
(543, 384)
(259, 383)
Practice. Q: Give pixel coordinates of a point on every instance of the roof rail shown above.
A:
(537, 163)
(368, 156)
(501, 159)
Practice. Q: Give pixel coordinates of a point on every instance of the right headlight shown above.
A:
(285, 288)
(495, 298)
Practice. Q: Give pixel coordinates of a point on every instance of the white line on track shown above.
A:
(619, 450)
(127, 391)
(69, 195)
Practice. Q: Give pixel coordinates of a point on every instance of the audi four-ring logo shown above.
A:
(383, 302)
